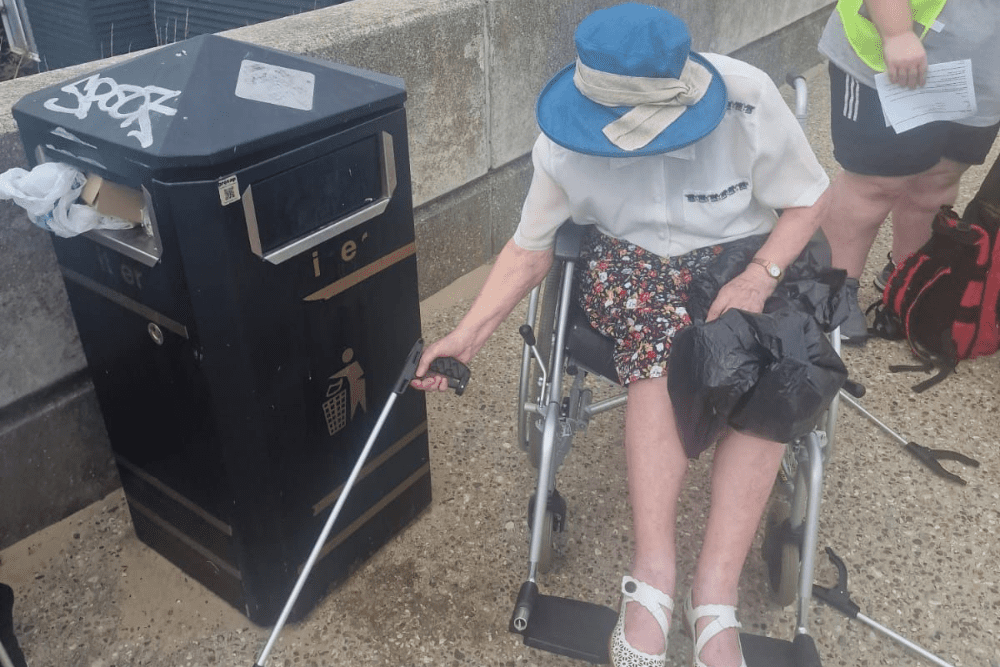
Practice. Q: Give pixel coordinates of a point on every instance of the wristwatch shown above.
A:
(772, 269)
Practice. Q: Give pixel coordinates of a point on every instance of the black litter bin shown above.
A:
(244, 335)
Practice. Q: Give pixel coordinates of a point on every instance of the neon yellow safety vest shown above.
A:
(863, 35)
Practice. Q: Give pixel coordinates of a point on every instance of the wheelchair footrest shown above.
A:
(578, 630)
(770, 652)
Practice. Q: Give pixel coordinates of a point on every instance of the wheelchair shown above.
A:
(561, 350)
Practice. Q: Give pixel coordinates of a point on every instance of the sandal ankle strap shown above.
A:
(725, 618)
(653, 599)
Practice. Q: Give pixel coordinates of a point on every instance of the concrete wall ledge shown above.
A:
(472, 68)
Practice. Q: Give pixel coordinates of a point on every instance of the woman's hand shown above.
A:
(458, 344)
(747, 291)
(905, 59)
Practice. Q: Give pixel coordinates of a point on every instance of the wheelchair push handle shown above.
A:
(458, 374)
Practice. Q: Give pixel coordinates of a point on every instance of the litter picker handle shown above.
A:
(458, 374)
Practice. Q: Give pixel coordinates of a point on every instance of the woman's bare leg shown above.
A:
(656, 468)
(743, 473)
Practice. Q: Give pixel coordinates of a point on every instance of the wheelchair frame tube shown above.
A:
(834, 407)
(542, 489)
(552, 417)
(606, 404)
(810, 535)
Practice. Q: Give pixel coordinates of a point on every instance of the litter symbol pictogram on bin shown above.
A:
(335, 409)
(347, 385)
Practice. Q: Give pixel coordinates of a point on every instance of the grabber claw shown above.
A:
(838, 598)
(930, 457)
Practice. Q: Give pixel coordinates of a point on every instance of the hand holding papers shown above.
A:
(947, 95)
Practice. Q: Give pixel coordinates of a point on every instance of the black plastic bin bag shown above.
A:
(770, 374)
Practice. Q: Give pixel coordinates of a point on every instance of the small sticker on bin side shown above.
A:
(276, 85)
(229, 190)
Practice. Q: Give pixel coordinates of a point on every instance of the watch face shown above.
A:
(774, 271)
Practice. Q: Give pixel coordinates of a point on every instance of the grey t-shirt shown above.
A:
(966, 29)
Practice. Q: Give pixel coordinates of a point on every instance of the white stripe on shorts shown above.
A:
(851, 94)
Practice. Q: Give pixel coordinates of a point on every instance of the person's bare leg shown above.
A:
(923, 194)
(858, 206)
(743, 472)
(656, 468)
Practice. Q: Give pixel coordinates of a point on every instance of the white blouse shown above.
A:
(724, 186)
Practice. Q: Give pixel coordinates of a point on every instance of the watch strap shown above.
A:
(772, 269)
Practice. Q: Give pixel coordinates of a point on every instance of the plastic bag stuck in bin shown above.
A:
(49, 194)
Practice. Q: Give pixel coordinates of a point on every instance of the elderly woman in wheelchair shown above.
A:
(671, 156)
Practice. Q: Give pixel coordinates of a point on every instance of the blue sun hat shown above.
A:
(636, 87)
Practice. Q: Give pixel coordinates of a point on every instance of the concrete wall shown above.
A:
(472, 69)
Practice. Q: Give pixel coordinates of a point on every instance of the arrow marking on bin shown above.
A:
(362, 274)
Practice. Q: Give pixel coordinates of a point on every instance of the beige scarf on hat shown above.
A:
(658, 102)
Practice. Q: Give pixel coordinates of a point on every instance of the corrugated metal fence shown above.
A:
(176, 20)
(69, 32)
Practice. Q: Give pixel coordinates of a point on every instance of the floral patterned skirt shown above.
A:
(638, 299)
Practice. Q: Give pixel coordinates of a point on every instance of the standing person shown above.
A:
(669, 154)
(913, 173)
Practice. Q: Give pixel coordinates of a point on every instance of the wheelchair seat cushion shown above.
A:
(589, 348)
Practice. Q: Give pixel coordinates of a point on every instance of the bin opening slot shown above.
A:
(113, 199)
(141, 242)
(293, 211)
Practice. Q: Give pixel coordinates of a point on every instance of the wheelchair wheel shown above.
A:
(548, 547)
(552, 525)
(781, 555)
(530, 437)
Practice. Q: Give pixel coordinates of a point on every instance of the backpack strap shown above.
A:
(989, 191)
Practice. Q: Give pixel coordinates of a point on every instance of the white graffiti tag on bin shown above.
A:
(116, 99)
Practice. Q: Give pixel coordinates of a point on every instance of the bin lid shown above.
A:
(207, 100)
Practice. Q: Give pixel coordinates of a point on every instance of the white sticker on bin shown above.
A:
(276, 85)
(229, 190)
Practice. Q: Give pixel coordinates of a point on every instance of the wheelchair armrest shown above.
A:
(569, 240)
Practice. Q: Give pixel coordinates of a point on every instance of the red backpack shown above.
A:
(944, 299)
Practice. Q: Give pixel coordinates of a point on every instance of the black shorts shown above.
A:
(863, 144)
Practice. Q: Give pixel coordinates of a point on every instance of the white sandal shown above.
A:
(725, 618)
(655, 601)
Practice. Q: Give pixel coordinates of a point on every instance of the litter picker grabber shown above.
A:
(839, 598)
(458, 377)
(929, 457)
